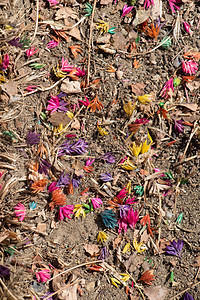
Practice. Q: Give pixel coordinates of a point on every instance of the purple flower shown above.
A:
(108, 158)
(106, 177)
(168, 85)
(70, 148)
(187, 296)
(63, 180)
(4, 271)
(16, 42)
(123, 210)
(43, 166)
(76, 181)
(32, 138)
(126, 10)
(47, 294)
(62, 95)
(175, 248)
(104, 253)
(62, 106)
(79, 147)
(178, 126)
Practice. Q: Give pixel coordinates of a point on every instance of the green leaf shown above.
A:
(171, 276)
(139, 190)
(112, 30)
(167, 42)
(37, 66)
(88, 9)
(180, 218)
(137, 39)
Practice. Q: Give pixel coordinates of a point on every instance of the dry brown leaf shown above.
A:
(74, 32)
(65, 13)
(66, 292)
(197, 259)
(156, 292)
(106, 2)
(141, 16)
(138, 88)
(57, 118)
(117, 242)
(190, 106)
(70, 87)
(10, 88)
(119, 41)
(41, 227)
(77, 165)
(75, 124)
(134, 262)
(91, 249)
(7, 234)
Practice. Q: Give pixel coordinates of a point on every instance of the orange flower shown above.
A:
(115, 203)
(70, 189)
(147, 277)
(61, 33)
(188, 78)
(135, 64)
(39, 185)
(73, 75)
(153, 31)
(95, 104)
(146, 219)
(88, 169)
(41, 150)
(192, 55)
(58, 198)
(75, 50)
(134, 127)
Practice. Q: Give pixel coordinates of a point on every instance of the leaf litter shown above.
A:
(101, 197)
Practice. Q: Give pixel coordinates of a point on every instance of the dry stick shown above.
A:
(37, 17)
(90, 41)
(61, 289)
(26, 226)
(75, 267)
(160, 214)
(193, 285)
(7, 290)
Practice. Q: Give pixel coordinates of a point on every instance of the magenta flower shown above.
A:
(65, 212)
(5, 62)
(80, 72)
(189, 67)
(89, 162)
(53, 2)
(148, 3)
(187, 27)
(52, 44)
(96, 202)
(178, 126)
(142, 121)
(173, 4)
(53, 187)
(20, 211)
(122, 224)
(30, 88)
(53, 104)
(43, 276)
(86, 103)
(31, 51)
(65, 66)
(168, 85)
(132, 217)
(131, 200)
(126, 10)
(122, 193)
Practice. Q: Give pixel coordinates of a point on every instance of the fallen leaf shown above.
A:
(64, 291)
(74, 32)
(91, 249)
(119, 41)
(197, 259)
(41, 227)
(65, 13)
(190, 106)
(134, 262)
(117, 242)
(156, 292)
(106, 2)
(75, 124)
(57, 118)
(138, 88)
(10, 88)
(7, 234)
(141, 16)
(70, 87)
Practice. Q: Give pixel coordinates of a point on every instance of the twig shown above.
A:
(90, 41)
(61, 289)
(193, 285)
(25, 225)
(75, 267)
(7, 290)
(190, 138)
(37, 17)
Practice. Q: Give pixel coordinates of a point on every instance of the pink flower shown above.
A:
(65, 212)
(5, 62)
(43, 276)
(52, 44)
(30, 88)
(53, 187)
(54, 104)
(96, 202)
(122, 223)
(31, 51)
(122, 193)
(20, 211)
(89, 162)
(126, 10)
(86, 103)
(132, 217)
(53, 2)
(65, 66)
(168, 85)
(123, 159)
(80, 72)
(142, 121)
(187, 27)
(189, 67)
(130, 200)
(173, 4)
(148, 3)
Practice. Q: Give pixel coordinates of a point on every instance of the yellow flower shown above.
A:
(127, 248)
(79, 211)
(125, 276)
(114, 281)
(135, 149)
(129, 186)
(70, 114)
(102, 131)
(58, 73)
(145, 147)
(128, 165)
(129, 108)
(145, 99)
(139, 247)
(102, 236)
(102, 26)
(8, 27)
(60, 129)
